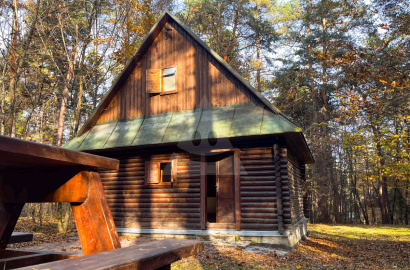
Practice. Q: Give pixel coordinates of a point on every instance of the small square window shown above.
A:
(160, 173)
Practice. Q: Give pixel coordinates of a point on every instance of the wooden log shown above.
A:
(260, 193)
(126, 202)
(93, 218)
(123, 178)
(156, 209)
(157, 215)
(258, 188)
(258, 210)
(157, 191)
(258, 183)
(203, 191)
(237, 187)
(258, 178)
(118, 195)
(122, 182)
(168, 205)
(157, 225)
(262, 227)
(249, 168)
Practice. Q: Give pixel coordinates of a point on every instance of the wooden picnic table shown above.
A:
(32, 172)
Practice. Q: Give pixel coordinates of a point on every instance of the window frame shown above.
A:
(148, 173)
(162, 81)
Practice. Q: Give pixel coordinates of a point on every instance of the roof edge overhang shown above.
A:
(303, 155)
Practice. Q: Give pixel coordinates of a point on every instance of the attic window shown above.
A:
(161, 81)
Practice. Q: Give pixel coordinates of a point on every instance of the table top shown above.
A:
(17, 153)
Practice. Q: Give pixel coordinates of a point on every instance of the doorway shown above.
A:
(220, 189)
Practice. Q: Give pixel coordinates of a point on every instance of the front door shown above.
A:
(225, 190)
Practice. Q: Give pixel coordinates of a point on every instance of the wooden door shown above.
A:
(225, 191)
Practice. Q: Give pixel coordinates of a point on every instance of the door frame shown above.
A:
(237, 189)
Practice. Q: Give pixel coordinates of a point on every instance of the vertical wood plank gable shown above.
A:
(201, 80)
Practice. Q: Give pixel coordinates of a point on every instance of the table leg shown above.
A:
(9, 214)
(94, 221)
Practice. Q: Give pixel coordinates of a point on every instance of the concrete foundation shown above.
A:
(290, 239)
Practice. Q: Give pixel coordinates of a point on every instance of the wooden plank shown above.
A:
(237, 181)
(20, 153)
(194, 70)
(57, 184)
(225, 191)
(93, 219)
(203, 193)
(151, 255)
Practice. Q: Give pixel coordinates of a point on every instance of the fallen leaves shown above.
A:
(328, 247)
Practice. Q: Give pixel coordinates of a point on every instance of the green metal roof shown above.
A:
(214, 122)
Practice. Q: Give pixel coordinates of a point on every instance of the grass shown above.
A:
(363, 232)
(328, 247)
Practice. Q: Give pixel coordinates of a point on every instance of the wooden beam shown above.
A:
(58, 184)
(19, 153)
(237, 180)
(203, 192)
(94, 221)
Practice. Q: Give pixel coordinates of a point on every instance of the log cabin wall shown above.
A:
(263, 172)
(134, 205)
(296, 177)
(201, 80)
(259, 196)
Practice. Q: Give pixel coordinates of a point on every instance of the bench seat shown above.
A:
(149, 255)
(20, 237)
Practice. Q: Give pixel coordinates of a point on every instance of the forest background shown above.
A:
(338, 68)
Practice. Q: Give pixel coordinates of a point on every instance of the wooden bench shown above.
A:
(149, 255)
(20, 237)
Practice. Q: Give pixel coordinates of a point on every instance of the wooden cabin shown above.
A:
(200, 149)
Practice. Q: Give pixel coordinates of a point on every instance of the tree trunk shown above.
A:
(69, 75)
(13, 69)
(233, 35)
(258, 54)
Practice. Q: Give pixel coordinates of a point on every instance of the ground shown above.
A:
(327, 247)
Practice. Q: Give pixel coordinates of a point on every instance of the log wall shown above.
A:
(270, 191)
(134, 205)
(259, 194)
(296, 177)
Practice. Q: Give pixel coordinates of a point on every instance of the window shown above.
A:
(161, 81)
(165, 172)
(162, 173)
